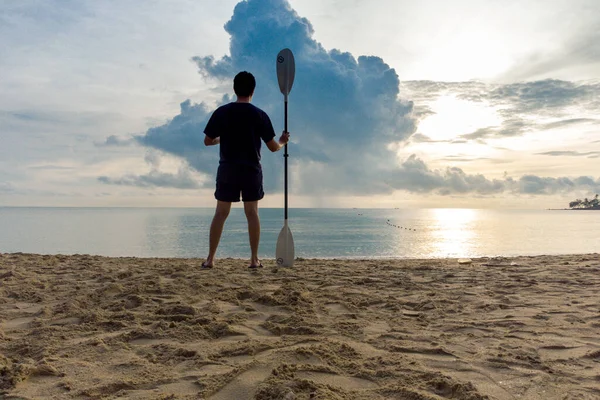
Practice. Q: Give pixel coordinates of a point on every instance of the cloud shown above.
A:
(6, 187)
(424, 90)
(59, 120)
(581, 53)
(343, 109)
(590, 154)
(115, 141)
(531, 184)
(183, 136)
(510, 128)
(568, 122)
(549, 96)
(33, 116)
(468, 159)
(421, 138)
(9, 189)
(346, 110)
(183, 179)
(48, 167)
(416, 176)
(520, 105)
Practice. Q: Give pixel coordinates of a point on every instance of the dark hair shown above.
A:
(244, 84)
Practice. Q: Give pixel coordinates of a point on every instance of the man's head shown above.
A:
(244, 84)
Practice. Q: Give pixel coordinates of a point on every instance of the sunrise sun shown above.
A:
(455, 117)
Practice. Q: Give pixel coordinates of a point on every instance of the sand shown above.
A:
(83, 327)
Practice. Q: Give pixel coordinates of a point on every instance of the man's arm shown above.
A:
(210, 141)
(274, 145)
(214, 128)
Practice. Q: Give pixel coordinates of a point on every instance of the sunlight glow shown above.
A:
(452, 234)
(455, 117)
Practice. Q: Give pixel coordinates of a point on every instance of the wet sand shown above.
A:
(83, 327)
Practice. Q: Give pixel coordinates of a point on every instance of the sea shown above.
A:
(317, 232)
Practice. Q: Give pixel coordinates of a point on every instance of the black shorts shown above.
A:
(235, 179)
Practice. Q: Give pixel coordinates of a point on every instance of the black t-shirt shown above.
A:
(240, 126)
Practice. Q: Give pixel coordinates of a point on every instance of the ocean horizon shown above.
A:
(318, 232)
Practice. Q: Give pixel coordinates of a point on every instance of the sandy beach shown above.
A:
(83, 327)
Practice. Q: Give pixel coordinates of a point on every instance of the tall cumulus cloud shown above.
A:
(342, 109)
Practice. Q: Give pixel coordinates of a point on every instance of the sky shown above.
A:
(469, 103)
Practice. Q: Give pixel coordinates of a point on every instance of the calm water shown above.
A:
(344, 233)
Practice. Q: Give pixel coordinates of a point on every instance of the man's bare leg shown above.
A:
(216, 229)
(251, 210)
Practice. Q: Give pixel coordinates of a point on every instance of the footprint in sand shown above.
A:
(337, 309)
(377, 328)
(16, 324)
(245, 385)
(345, 382)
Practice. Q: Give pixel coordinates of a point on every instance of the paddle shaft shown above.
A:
(285, 158)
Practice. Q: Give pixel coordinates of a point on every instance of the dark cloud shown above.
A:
(183, 136)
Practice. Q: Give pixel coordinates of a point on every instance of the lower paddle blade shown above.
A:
(284, 253)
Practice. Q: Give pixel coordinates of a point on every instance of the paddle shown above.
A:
(286, 70)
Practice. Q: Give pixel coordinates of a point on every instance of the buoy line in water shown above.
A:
(400, 227)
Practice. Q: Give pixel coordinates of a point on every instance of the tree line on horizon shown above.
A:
(585, 204)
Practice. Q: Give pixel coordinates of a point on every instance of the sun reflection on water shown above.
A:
(452, 233)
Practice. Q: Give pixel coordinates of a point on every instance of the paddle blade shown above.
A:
(284, 253)
(286, 71)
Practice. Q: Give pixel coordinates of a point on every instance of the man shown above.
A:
(239, 128)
